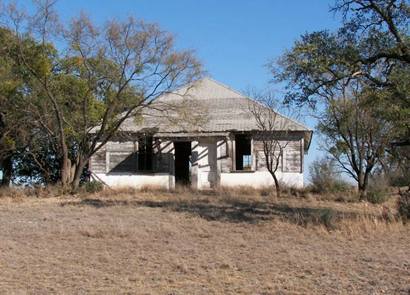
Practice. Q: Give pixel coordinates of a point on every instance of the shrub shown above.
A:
(398, 171)
(376, 196)
(266, 192)
(328, 218)
(403, 205)
(387, 214)
(93, 186)
(378, 191)
(324, 178)
(399, 180)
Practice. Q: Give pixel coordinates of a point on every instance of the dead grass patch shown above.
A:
(157, 242)
(30, 192)
(246, 206)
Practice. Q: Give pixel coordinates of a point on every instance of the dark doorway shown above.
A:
(182, 153)
(243, 152)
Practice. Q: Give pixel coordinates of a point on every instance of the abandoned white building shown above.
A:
(203, 136)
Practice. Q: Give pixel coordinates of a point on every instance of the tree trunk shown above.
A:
(362, 190)
(75, 184)
(362, 193)
(362, 186)
(7, 169)
(65, 165)
(277, 186)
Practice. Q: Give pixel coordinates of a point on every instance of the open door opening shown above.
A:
(243, 152)
(182, 154)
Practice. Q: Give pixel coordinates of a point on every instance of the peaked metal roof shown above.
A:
(207, 106)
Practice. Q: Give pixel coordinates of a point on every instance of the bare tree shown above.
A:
(263, 110)
(142, 65)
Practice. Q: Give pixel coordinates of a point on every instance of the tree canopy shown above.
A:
(80, 82)
(368, 56)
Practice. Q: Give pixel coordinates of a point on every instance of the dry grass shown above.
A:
(185, 242)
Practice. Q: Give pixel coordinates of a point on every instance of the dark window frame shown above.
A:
(145, 153)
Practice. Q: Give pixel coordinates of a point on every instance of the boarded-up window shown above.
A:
(292, 157)
(122, 157)
(123, 162)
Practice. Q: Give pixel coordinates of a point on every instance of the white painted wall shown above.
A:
(260, 179)
(205, 172)
(163, 180)
(207, 164)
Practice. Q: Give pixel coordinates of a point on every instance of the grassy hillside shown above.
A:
(155, 242)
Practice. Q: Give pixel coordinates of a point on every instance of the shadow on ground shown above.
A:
(233, 211)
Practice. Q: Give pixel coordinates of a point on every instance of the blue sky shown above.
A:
(234, 39)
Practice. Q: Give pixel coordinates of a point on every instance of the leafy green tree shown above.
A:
(373, 45)
(105, 76)
(14, 131)
(382, 24)
(362, 68)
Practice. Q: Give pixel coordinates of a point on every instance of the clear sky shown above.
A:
(234, 39)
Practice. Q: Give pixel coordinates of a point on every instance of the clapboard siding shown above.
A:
(98, 161)
(291, 160)
(292, 157)
(224, 156)
(123, 162)
(122, 157)
(261, 161)
(125, 147)
(260, 155)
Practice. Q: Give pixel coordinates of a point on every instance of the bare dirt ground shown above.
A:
(157, 243)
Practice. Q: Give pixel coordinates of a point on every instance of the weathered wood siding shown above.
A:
(292, 157)
(122, 157)
(260, 156)
(224, 150)
(291, 161)
(98, 161)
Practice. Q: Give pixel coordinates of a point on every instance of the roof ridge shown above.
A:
(209, 78)
(280, 114)
(253, 100)
(223, 85)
